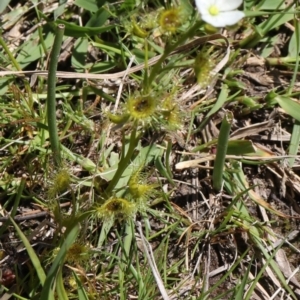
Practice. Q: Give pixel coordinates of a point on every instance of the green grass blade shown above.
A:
(294, 43)
(33, 257)
(269, 261)
(125, 257)
(163, 170)
(241, 288)
(290, 106)
(60, 289)
(82, 295)
(15, 207)
(223, 97)
(47, 292)
(221, 151)
(3, 5)
(294, 143)
(224, 277)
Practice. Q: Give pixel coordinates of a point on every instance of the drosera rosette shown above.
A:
(78, 254)
(79, 276)
(142, 109)
(59, 182)
(141, 189)
(144, 26)
(138, 108)
(65, 220)
(203, 65)
(171, 112)
(135, 26)
(170, 20)
(64, 214)
(115, 209)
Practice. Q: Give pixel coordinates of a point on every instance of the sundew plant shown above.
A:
(149, 149)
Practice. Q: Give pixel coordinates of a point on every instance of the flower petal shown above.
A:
(223, 19)
(203, 5)
(227, 5)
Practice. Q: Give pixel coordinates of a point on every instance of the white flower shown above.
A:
(220, 13)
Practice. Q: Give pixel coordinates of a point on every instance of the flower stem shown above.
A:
(169, 48)
(51, 100)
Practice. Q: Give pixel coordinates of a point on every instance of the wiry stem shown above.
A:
(51, 100)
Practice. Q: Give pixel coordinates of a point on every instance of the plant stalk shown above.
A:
(169, 48)
(51, 99)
